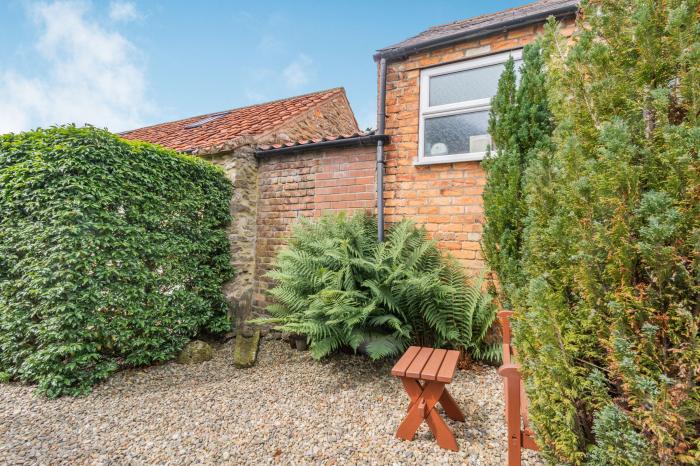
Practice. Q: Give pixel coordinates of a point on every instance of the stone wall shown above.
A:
(445, 198)
(304, 185)
(241, 168)
(237, 158)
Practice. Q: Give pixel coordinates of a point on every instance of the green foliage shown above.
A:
(340, 287)
(112, 254)
(607, 317)
(617, 442)
(520, 124)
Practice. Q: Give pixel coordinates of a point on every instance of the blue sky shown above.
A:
(122, 64)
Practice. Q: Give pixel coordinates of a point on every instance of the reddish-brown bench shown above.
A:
(424, 373)
(520, 434)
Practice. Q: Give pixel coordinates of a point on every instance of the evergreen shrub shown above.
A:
(608, 306)
(112, 254)
(340, 287)
(520, 125)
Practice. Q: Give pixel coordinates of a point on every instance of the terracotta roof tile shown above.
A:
(219, 127)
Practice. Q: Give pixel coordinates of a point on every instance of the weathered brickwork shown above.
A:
(445, 198)
(303, 185)
(237, 158)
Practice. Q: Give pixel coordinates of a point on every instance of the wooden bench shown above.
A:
(424, 373)
(520, 434)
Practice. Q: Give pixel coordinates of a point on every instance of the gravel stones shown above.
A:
(287, 409)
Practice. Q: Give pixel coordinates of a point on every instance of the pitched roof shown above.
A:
(479, 26)
(216, 128)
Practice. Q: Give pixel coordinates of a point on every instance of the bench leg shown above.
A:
(422, 407)
(450, 406)
(443, 435)
(413, 390)
(416, 414)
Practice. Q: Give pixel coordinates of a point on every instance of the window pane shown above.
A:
(456, 134)
(461, 86)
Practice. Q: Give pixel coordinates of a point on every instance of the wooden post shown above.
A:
(504, 319)
(512, 392)
(519, 436)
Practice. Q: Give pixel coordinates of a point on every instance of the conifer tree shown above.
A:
(607, 330)
(520, 124)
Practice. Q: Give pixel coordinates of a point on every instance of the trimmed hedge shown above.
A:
(112, 254)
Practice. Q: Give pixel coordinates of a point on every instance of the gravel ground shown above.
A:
(288, 409)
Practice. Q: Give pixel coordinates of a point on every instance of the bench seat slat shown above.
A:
(432, 367)
(418, 363)
(399, 369)
(448, 367)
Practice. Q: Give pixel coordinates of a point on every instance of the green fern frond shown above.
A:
(380, 346)
(340, 287)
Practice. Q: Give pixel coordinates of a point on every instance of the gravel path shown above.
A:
(288, 409)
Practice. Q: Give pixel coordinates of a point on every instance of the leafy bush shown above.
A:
(112, 254)
(340, 287)
(520, 124)
(608, 314)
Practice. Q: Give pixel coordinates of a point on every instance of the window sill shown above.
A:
(475, 157)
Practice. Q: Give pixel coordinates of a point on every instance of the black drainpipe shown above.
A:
(381, 116)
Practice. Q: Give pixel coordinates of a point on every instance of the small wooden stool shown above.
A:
(434, 368)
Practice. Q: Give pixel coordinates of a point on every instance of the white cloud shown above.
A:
(298, 73)
(91, 75)
(123, 11)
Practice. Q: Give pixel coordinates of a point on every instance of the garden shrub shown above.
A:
(607, 327)
(520, 124)
(340, 287)
(112, 254)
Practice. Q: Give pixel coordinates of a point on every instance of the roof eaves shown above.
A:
(356, 139)
(401, 52)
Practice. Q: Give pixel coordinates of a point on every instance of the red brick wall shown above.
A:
(307, 184)
(445, 198)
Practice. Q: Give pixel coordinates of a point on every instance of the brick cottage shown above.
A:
(302, 156)
(229, 139)
(438, 90)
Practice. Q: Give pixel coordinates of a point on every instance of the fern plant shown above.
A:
(336, 284)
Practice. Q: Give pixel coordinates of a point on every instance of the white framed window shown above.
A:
(455, 100)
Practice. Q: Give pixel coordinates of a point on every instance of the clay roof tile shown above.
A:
(219, 127)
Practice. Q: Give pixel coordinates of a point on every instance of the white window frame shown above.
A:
(457, 108)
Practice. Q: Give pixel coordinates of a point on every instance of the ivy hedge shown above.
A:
(112, 254)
